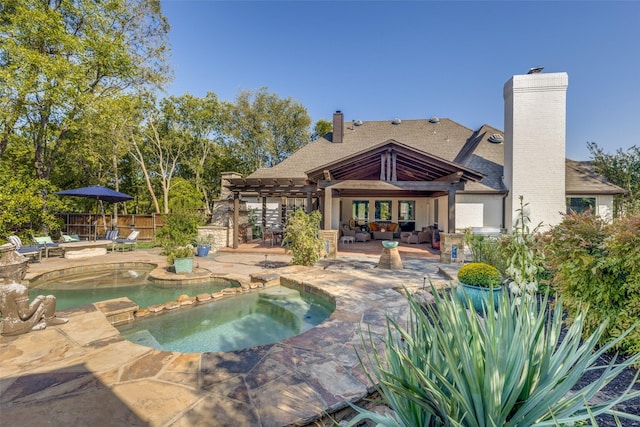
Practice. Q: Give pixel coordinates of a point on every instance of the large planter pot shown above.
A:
(203, 250)
(480, 297)
(183, 265)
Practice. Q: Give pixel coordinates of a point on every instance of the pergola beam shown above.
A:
(387, 186)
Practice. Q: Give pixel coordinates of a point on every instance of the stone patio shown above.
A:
(84, 372)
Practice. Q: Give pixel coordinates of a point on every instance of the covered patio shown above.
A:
(388, 170)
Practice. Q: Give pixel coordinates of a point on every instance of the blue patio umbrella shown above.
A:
(98, 192)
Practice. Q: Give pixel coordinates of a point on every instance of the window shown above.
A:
(406, 210)
(383, 210)
(360, 211)
(581, 204)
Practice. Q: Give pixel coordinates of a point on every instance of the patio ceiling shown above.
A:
(411, 165)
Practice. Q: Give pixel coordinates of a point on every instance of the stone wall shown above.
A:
(221, 235)
(447, 240)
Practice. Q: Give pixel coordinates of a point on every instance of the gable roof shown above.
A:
(413, 165)
(426, 148)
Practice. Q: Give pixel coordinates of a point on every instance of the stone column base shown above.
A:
(390, 259)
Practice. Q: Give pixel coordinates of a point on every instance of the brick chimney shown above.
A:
(338, 126)
(534, 146)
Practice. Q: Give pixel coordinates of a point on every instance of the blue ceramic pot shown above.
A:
(389, 244)
(479, 296)
(203, 250)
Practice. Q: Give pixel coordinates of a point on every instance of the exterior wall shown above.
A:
(490, 214)
(534, 152)
(443, 213)
(604, 207)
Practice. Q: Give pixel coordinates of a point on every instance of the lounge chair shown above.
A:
(130, 243)
(32, 251)
(48, 245)
(112, 235)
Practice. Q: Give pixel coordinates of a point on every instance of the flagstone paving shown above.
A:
(84, 372)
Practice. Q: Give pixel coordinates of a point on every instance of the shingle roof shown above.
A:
(446, 142)
(581, 179)
(447, 139)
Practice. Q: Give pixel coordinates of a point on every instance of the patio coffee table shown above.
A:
(348, 239)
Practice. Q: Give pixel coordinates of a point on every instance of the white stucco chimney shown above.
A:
(534, 152)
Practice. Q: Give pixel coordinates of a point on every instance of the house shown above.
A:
(429, 171)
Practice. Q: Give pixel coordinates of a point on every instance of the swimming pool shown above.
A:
(244, 321)
(76, 287)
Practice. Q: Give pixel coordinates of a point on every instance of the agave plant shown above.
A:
(450, 367)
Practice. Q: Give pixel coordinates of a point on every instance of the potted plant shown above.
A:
(479, 281)
(203, 244)
(181, 258)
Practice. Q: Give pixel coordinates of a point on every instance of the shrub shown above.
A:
(596, 263)
(486, 249)
(179, 229)
(180, 252)
(302, 239)
(451, 368)
(480, 274)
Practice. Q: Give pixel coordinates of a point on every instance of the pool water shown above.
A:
(243, 321)
(73, 290)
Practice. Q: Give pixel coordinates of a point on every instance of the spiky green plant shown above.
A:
(450, 367)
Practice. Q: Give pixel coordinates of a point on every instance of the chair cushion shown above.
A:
(15, 241)
(111, 235)
(46, 240)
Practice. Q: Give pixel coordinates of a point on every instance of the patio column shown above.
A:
(264, 211)
(328, 195)
(452, 210)
(236, 219)
(308, 207)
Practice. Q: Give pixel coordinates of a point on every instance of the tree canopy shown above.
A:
(81, 104)
(623, 170)
(61, 59)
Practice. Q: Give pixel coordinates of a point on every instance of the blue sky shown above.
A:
(378, 60)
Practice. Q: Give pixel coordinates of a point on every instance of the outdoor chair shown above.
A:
(32, 251)
(274, 235)
(347, 231)
(48, 245)
(130, 243)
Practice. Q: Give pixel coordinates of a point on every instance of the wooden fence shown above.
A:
(92, 226)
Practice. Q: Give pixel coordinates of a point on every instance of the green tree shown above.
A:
(321, 128)
(264, 129)
(622, 169)
(59, 58)
(22, 208)
(199, 123)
